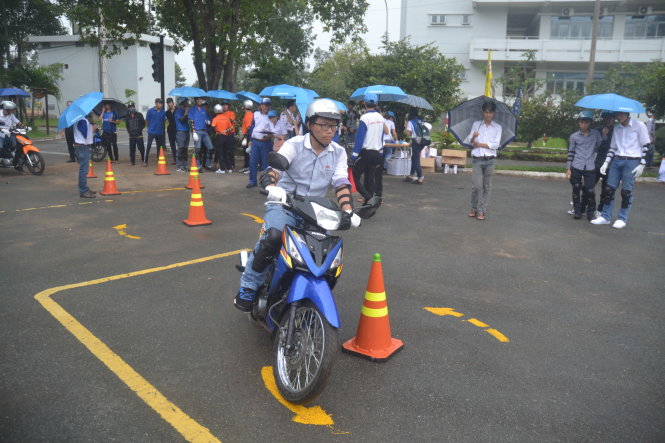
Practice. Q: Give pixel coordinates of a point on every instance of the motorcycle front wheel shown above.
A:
(35, 163)
(98, 152)
(302, 372)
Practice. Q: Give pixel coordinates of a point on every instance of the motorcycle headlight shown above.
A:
(337, 260)
(328, 219)
(292, 249)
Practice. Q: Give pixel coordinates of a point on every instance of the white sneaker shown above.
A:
(229, 171)
(619, 224)
(600, 221)
(571, 211)
(246, 172)
(219, 171)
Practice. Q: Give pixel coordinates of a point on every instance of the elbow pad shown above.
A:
(344, 198)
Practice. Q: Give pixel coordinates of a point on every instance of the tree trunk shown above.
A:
(196, 38)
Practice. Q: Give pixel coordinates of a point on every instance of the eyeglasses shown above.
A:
(325, 127)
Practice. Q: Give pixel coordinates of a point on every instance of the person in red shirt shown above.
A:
(247, 121)
(224, 125)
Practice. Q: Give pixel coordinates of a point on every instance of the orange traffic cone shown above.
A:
(91, 172)
(373, 339)
(109, 181)
(194, 175)
(353, 182)
(197, 214)
(161, 164)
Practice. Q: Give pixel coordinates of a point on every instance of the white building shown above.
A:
(131, 69)
(558, 31)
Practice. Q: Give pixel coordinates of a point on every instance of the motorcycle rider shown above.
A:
(8, 121)
(315, 164)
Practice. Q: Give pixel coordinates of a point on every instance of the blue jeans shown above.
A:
(275, 217)
(83, 154)
(620, 170)
(205, 139)
(258, 155)
(182, 140)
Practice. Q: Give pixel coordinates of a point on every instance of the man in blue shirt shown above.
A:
(199, 120)
(155, 118)
(181, 117)
(109, 136)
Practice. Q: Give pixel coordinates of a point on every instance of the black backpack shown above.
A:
(423, 137)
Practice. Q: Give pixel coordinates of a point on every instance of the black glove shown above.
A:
(266, 179)
(345, 223)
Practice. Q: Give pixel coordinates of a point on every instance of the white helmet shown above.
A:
(323, 108)
(218, 109)
(248, 104)
(9, 105)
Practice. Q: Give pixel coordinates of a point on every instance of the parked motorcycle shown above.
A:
(296, 302)
(98, 152)
(25, 155)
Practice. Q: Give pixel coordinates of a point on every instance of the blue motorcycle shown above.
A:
(98, 152)
(296, 302)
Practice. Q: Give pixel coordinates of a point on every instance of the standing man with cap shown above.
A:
(171, 128)
(627, 151)
(135, 124)
(181, 117)
(581, 166)
(155, 119)
(199, 119)
(367, 157)
(485, 137)
(109, 136)
(261, 132)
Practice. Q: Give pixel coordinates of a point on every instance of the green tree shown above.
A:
(180, 79)
(535, 119)
(30, 76)
(521, 75)
(332, 74)
(129, 93)
(653, 82)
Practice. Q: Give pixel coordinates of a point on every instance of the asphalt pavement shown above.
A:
(117, 321)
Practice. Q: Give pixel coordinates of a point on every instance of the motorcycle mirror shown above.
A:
(277, 161)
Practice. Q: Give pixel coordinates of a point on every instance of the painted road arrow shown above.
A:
(121, 231)
(474, 321)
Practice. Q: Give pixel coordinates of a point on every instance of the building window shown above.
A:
(579, 27)
(644, 26)
(437, 19)
(466, 20)
(65, 66)
(462, 74)
(557, 82)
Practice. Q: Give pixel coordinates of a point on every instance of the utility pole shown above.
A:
(592, 52)
(103, 77)
(387, 35)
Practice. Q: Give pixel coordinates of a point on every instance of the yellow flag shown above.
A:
(488, 75)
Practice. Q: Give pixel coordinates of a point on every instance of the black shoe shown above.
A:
(88, 194)
(244, 299)
(577, 216)
(71, 160)
(251, 185)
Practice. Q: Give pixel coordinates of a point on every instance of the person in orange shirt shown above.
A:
(247, 121)
(224, 125)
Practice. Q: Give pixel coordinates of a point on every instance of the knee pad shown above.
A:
(625, 198)
(608, 195)
(267, 250)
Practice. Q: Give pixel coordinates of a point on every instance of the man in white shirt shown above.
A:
(83, 138)
(485, 137)
(625, 161)
(651, 129)
(391, 137)
(261, 135)
(367, 157)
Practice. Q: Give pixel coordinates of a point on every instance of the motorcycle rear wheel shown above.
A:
(302, 373)
(38, 165)
(98, 152)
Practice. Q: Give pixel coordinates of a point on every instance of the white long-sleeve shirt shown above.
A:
(489, 134)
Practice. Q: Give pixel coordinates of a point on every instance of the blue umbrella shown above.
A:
(385, 93)
(6, 92)
(249, 96)
(302, 104)
(610, 102)
(284, 91)
(79, 109)
(222, 94)
(187, 91)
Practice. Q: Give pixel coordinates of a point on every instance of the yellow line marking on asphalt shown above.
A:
(499, 336)
(474, 321)
(185, 425)
(259, 220)
(444, 311)
(154, 190)
(58, 206)
(121, 231)
(309, 416)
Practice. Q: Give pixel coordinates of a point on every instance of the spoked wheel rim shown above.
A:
(98, 153)
(299, 367)
(35, 163)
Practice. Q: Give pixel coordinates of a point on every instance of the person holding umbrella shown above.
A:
(625, 161)
(84, 132)
(485, 137)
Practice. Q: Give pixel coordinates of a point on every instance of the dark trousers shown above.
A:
(224, 145)
(159, 141)
(603, 191)
(369, 164)
(136, 142)
(583, 183)
(172, 144)
(110, 140)
(69, 138)
(416, 149)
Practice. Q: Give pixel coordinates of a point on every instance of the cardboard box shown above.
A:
(427, 164)
(453, 157)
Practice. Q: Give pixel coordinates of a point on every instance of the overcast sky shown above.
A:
(375, 19)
